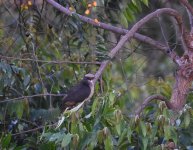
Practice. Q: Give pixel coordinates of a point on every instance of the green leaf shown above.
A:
(128, 15)
(6, 141)
(100, 136)
(143, 128)
(66, 140)
(187, 119)
(174, 135)
(129, 134)
(111, 98)
(108, 143)
(145, 142)
(122, 137)
(75, 140)
(16, 107)
(56, 137)
(145, 2)
(123, 20)
(167, 131)
(134, 2)
(48, 146)
(95, 106)
(118, 128)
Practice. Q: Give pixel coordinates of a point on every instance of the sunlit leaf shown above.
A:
(60, 122)
(146, 2)
(123, 20)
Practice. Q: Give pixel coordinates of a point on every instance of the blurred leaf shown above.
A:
(26, 80)
(38, 88)
(111, 98)
(145, 2)
(123, 20)
(129, 134)
(170, 133)
(145, 142)
(6, 141)
(108, 143)
(189, 147)
(143, 128)
(187, 119)
(16, 107)
(47, 146)
(122, 137)
(100, 136)
(56, 136)
(66, 140)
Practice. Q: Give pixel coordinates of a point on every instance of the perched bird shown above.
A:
(83, 91)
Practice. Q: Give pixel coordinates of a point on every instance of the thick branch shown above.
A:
(181, 88)
(179, 94)
(133, 30)
(148, 100)
(137, 36)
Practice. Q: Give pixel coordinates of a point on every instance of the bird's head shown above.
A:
(89, 76)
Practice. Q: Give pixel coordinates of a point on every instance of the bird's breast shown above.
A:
(91, 85)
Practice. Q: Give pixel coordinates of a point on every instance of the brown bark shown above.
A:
(180, 91)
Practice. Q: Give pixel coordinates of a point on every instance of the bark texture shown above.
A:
(180, 91)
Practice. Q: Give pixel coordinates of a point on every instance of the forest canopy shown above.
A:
(137, 55)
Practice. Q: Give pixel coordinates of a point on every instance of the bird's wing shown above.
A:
(77, 94)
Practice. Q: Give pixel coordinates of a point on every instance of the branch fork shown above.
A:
(184, 75)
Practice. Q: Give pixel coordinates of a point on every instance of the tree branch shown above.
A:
(187, 5)
(148, 100)
(122, 31)
(49, 62)
(32, 130)
(189, 10)
(131, 34)
(133, 30)
(26, 97)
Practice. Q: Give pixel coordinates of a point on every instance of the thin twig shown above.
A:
(187, 5)
(190, 16)
(26, 97)
(163, 34)
(49, 62)
(28, 122)
(148, 100)
(32, 130)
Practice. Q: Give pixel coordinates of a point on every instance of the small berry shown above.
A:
(87, 12)
(94, 3)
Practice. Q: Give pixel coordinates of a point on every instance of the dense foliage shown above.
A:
(44, 52)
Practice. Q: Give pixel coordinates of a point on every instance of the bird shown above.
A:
(83, 91)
